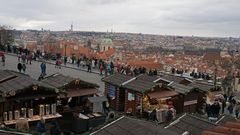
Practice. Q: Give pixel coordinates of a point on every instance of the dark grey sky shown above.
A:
(174, 17)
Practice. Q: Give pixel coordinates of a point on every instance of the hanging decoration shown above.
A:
(35, 87)
(12, 93)
(77, 81)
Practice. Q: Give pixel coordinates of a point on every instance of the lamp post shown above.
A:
(65, 57)
(65, 45)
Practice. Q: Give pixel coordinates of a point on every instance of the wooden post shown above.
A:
(142, 105)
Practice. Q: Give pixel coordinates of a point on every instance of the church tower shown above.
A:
(71, 27)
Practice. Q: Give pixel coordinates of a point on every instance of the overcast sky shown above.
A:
(172, 17)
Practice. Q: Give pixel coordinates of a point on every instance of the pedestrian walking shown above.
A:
(111, 67)
(237, 109)
(223, 105)
(93, 64)
(3, 60)
(22, 124)
(30, 58)
(106, 69)
(101, 68)
(56, 65)
(23, 58)
(19, 67)
(55, 130)
(59, 63)
(230, 108)
(78, 63)
(89, 66)
(41, 126)
(65, 60)
(19, 58)
(43, 68)
(24, 67)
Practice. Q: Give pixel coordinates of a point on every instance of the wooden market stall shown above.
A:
(145, 93)
(114, 90)
(135, 92)
(193, 91)
(73, 91)
(22, 94)
(74, 102)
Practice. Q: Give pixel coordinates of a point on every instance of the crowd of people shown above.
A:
(222, 105)
(104, 67)
(24, 59)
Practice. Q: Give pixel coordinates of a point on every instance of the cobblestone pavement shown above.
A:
(71, 70)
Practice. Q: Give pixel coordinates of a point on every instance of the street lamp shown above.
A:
(65, 45)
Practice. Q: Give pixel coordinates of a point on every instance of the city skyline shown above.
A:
(216, 18)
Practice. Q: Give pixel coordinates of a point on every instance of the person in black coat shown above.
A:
(19, 67)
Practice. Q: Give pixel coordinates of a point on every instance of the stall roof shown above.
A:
(191, 124)
(31, 96)
(172, 78)
(225, 118)
(97, 99)
(81, 92)
(228, 128)
(162, 94)
(117, 79)
(5, 74)
(14, 81)
(58, 80)
(183, 89)
(141, 83)
(202, 86)
(130, 126)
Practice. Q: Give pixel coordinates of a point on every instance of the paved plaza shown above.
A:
(34, 71)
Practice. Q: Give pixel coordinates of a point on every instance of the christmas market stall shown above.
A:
(143, 94)
(23, 94)
(114, 90)
(74, 102)
(194, 91)
(74, 92)
(191, 96)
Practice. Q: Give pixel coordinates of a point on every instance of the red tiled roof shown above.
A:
(212, 56)
(84, 51)
(110, 52)
(229, 128)
(106, 54)
(211, 133)
(101, 55)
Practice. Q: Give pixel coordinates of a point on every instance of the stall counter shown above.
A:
(35, 118)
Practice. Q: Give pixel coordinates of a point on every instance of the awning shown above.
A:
(162, 94)
(29, 97)
(97, 99)
(192, 102)
(81, 92)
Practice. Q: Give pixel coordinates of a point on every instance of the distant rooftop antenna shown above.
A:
(71, 27)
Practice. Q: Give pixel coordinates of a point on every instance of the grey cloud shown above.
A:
(204, 17)
(94, 2)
